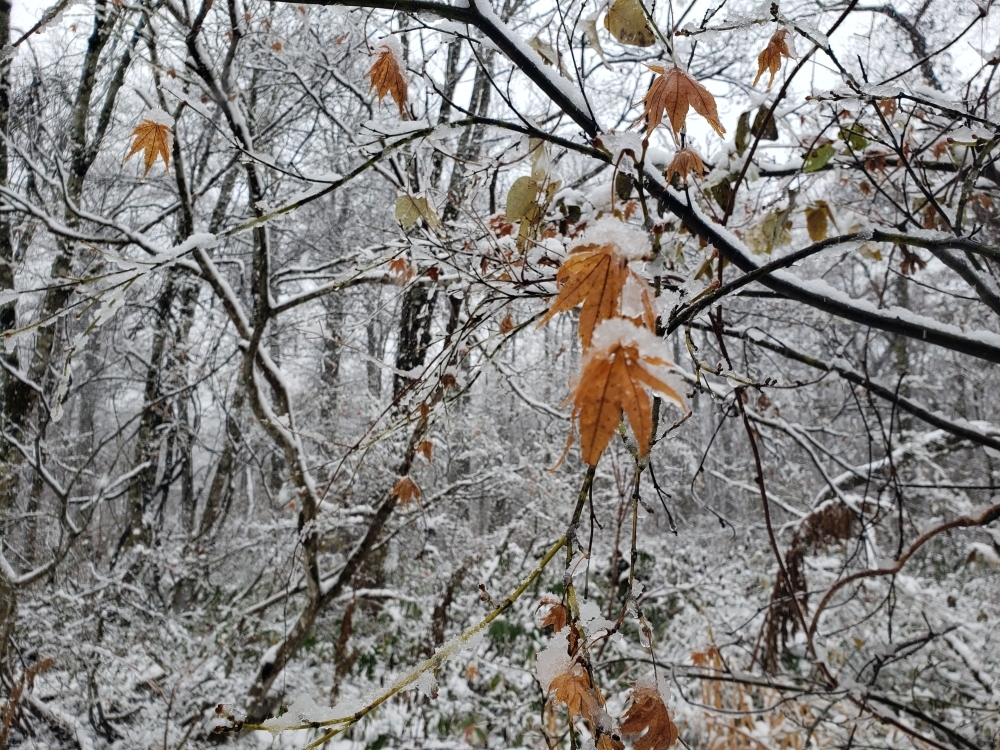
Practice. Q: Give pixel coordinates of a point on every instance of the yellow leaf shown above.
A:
(387, 75)
(673, 91)
(770, 58)
(520, 198)
(153, 138)
(409, 209)
(626, 20)
(648, 714)
(816, 217)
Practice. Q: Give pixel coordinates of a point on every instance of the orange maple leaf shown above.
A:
(573, 689)
(557, 616)
(649, 714)
(387, 75)
(673, 91)
(614, 379)
(406, 490)
(685, 162)
(402, 269)
(153, 138)
(770, 58)
(593, 275)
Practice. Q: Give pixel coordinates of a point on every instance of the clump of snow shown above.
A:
(427, 684)
(630, 241)
(159, 117)
(592, 620)
(391, 45)
(554, 659)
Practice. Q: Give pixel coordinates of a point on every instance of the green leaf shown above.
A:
(770, 132)
(742, 133)
(854, 136)
(819, 158)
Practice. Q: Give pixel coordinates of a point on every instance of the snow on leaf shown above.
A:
(154, 139)
(648, 713)
(673, 91)
(624, 361)
(387, 74)
(770, 58)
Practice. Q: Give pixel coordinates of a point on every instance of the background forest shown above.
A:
(306, 438)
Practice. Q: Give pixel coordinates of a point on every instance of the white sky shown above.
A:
(26, 12)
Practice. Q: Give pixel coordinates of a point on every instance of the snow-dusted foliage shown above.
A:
(499, 375)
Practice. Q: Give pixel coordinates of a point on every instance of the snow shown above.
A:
(629, 240)
(554, 660)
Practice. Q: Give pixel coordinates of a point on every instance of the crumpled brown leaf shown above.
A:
(770, 58)
(648, 714)
(673, 91)
(387, 77)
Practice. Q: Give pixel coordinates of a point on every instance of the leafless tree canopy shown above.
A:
(455, 374)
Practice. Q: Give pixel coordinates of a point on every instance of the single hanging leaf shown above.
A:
(593, 275)
(685, 162)
(153, 138)
(770, 59)
(593, 40)
(387, 74)
(406, 490)
(673, 91)
(819, 157)
(647, 713)
(767, 132)
(625, 361)
(521, 197)
(557, 617)
(410, 209)
(626, 20)
(573, 689)
(816, 220)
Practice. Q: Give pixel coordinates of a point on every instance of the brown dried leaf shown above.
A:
(557, 616)
(673, 91)
(684, 163)
(406, 490)
(614, 379)
(426, 448)
(770, 58)
(153, 139)
(593, 275)
(648, 714)
(573, 688)
(911, 262)
(507, 324)
(387, 77)
(607, 742)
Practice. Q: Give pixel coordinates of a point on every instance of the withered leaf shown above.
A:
(573, 689)
(557, 617)
(770, 59)
(387, 77)
(685, 162)
(426, 448)
(911, 262)
(648, 714)
(607, 742)
(507, 324)
(614, 379)
(153, 138)
(402, 269)
(626, 20)
(593, 275)
(406, 490)
(410, 209)
(673, 91)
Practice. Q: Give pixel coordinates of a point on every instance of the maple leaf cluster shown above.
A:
(387, 75)
(622, 355)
